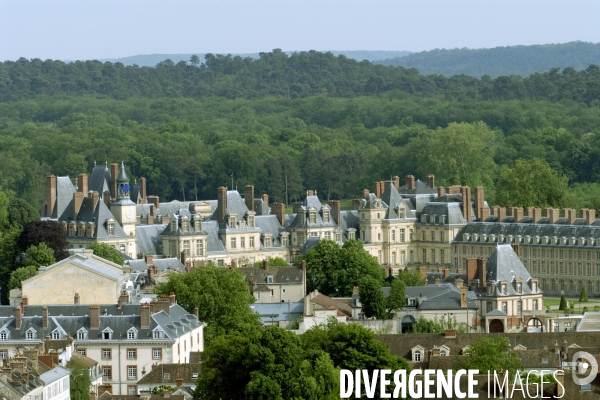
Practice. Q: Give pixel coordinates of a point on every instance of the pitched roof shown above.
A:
(505, 265)
(158, 375)
(148, 239)
(100, 179)
(280, 275)
(331, 303)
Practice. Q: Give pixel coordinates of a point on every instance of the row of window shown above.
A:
(552, 267)
(432, 256)
(132, 373)
(504, 306)
(570, 286)
(433, 235)
(132, 354)
(402, 235)
(526, 252)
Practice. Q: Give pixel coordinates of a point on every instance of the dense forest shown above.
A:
(291, 123)
(510, 60)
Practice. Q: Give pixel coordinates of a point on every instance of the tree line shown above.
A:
(275, 73)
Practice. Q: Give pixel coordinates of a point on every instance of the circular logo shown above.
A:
(582, 362)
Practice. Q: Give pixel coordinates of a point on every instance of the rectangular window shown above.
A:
(393, 258)
(131, 372)
(410, 235)
(535, 304)
(243, 242)
(519, 307)
(543, 267)
(3, 354)
(402, 238)
(393, 235)
(199, 248)
(107, 372)
(132, 390)
(561, 267)
(441, 236)
(424, 236)
(432, 236)
(402, 258)
(570, 268)
(83, 352)
(131, 354)
(433, 256)
(442, 256)
(504, 308)
(157, 354)
(186, 246)
(379, 260)
(233, 243)
(106, 354)
(272, 293)
(424, 260)
(251, 242)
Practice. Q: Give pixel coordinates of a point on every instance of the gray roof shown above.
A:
(281, 275)
(420, 188)
(309, 244)
(278, 311)
(98, 216)
(148, 239)
(64, 197)
(349, 219)
(452, 211)
(160, 263)
(213, 243)
(393, 199)
(439, 297)
(54, 374)
(590, 322)
(270, 224)
(260, 207)
(235, 204)
(505, 265)
(495, 313)
(100, 179)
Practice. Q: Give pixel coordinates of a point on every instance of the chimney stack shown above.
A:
(82, 183)
(335, 210)
(251, 284)
(431, 181)
(221, 203)
(196, 312)
(441, 191)
(536, 214)
(148, 259)
(463, 297)
(303, 266)
(396, 180)
(95, 198)
(249, 197)
(50, 195)
(590, 217)
(45, 317)
(266, 265)
(179, 382)
(145, 316)
(94, 317)
(466, 203)
(154, 201)
(515, 247)
(552, 214)
(481, 266)
(265, 198)
(355, 204)
(143, 190)
(114, 173)
(18, 317)
(296, 206)
(77, 200)
(571, 215)
(479, 202)
(278, 209)
(172, 298)
(410, 182)
(517, 213)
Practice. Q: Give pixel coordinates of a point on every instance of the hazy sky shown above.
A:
(87, 29)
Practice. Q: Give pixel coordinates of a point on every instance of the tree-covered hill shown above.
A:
(300, 75)
(510, 60)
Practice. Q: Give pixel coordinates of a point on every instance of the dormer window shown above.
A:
(231, 220)
(301, 217)
(326, 215)
(401, 211)
(285, 239)
(197, 223)
(30, 334)
(157, 333)
(81, 229)
(56, 334)
(174, 223)
(82, 334)
(519, 288)
(270, 279)
(185, 224)
(110, 227)
(71, 229)
(250, 220)
(351, 233)
(107, 334)
(313, 217)
(132, 333)
(504, 289)
(267, 240)
(4, 334)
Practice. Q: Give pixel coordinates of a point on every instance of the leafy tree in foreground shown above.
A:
(49, 232)
(490, 354)
(411, 278)
(19, 275)
(273, 262)
(107, 252)
(80, 383)
(335, 270)
(371, 298)
(436, 325)
(221, 295)
(397, 298)
(31, 261)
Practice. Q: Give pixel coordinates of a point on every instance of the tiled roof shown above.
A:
(158, 375)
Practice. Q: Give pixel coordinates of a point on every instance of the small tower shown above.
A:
(123, 210)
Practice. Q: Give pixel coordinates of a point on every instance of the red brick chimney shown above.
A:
(266, 265)
(278, 209)
(396, 180)
(365, 193)
(145, 316)
(94, 317)
(441, 191)
(106, 198)
(77, 200)
(481, 266)
(335, 210)
(479, 202)
(154, 201)
(431, 181)
(466, 203)
(221, 203)
(179, 382)
(410, 182)
(50, 195)
(18, 317)
(355, 204)
(82, 183)
(45, 317)
(172, 298)
(143, 199)
(249, 197)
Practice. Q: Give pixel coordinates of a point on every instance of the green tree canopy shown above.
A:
(335, 270)
(20, 213)
(48, 232)
(531, 183)
(583, 295)
(490, 354)
(19, 275)
(38, 256)
(80, 383)
(273, 262)
(371, 298)
(411, 277)
(221, 295)
(436, 325)
(397, 298)
(107, 252)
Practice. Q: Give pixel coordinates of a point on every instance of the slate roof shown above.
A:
(148, 239)
(495, 313)
(68, 319)
(278, 311)
(309, 244)
(270, 224)
(160, 263)
(452, 211)
(54, 374)
(213, 243)
(100, 179)
(535, 231)
(182, 213)
(420, 188)
(260, 207)
(235, 204)
(98, 216)
(184, 371)
(431, 277)
(439, 297)
(392, 198)
(64, 197)
(281, 275)
(505, 265)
